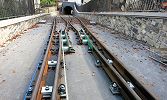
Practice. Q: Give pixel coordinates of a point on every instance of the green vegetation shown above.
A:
(48, 2)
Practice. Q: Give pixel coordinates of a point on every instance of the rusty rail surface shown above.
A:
(47, 75)
(37, 85)
(28, 93)
(44, 70)
(55, 95)
(117, 71)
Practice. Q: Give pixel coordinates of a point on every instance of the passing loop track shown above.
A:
(117, 70)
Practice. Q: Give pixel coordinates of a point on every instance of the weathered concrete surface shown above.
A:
(18, 60)
(147, 27)
(13, 27)
(134, 55)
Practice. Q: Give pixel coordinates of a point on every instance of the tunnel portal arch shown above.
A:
(68, 10)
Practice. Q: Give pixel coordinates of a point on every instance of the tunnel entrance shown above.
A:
(68, 10)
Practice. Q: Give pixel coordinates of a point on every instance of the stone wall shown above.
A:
(13, 27)
(16, 7)
(120, 5)
(100, 5)
(151, 30)
(133, 5)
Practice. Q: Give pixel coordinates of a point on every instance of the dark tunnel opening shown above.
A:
(68, 10)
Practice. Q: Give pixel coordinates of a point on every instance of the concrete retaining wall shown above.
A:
(152, 30)
(13, 27)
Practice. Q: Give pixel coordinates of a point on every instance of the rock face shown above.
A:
(150, 30)
(100, 5)
(120, 5)
(16, 7)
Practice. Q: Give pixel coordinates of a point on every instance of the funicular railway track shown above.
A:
(124, 82)
(49, 78)
(50, 83)
(41, 71)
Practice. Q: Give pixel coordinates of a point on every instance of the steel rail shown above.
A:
(123, 71)
(126, 91)
(39, 78)
(56, 80)
(28, 95)
(118, 72)
(118, 76)
(65, 78)
(64, 63)
(68, 40)
(80, 38)
(55, 95)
